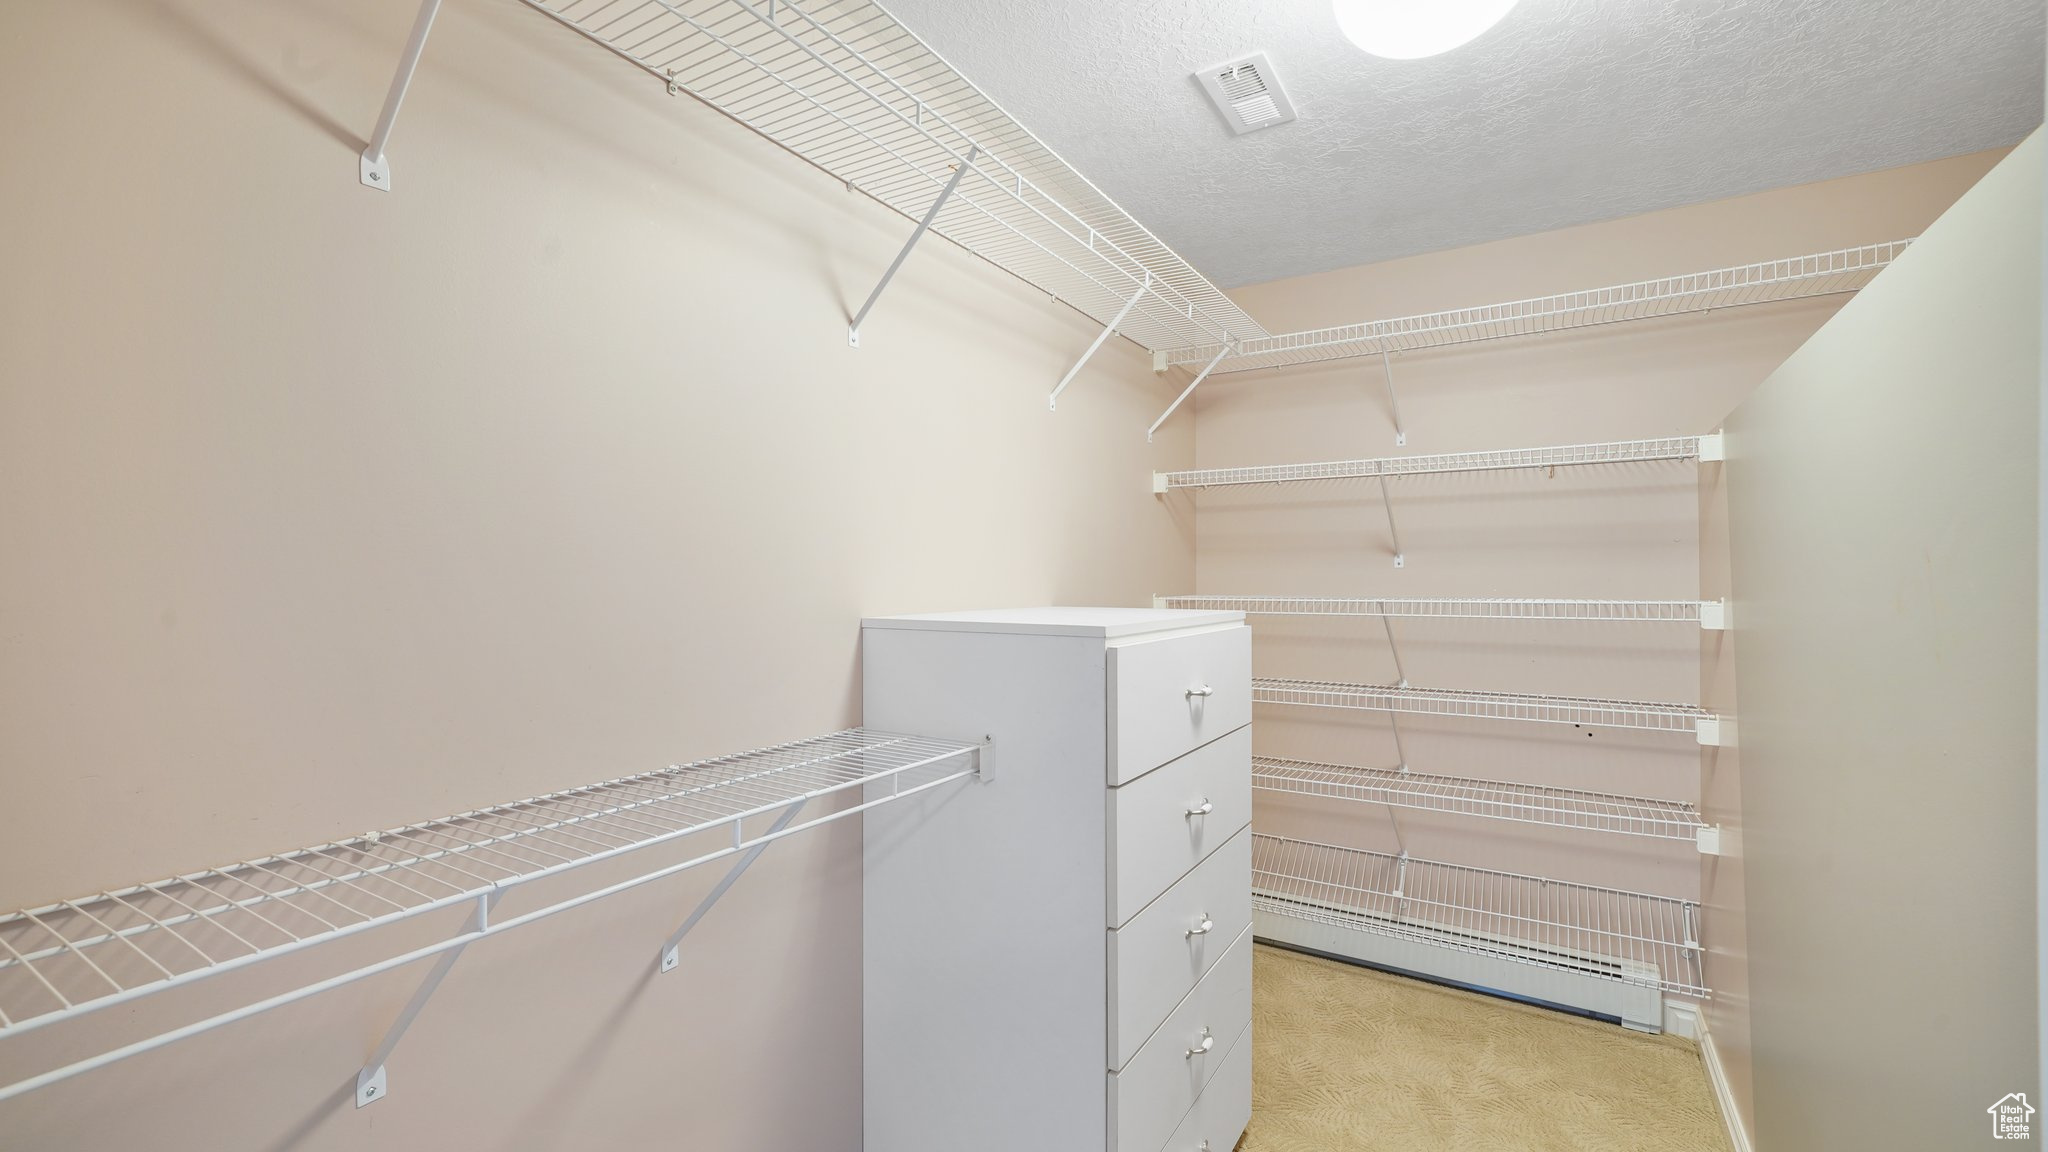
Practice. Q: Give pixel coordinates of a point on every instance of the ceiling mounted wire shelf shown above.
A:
(1452, 607)
(846, 87)
(1605, 932)
(1488, 799)
(1504, 459)
(1586, 711)
(1794, 278)
(77, 956)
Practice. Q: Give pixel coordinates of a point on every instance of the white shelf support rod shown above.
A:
(376, 171)
(1053, 402)
(370, 1080)
(1393, 531)
(671, 950)
(1393, 404)
(1189, 390)
(924, 225)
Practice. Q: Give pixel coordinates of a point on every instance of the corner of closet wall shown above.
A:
(1623, 531)
(550, 464)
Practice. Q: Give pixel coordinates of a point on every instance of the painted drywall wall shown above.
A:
(324, 509)
(1626, 531)
(1882, 508)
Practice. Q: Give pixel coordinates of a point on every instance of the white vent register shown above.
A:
(1247, 93)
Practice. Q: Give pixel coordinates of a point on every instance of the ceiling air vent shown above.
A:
(1247, 92)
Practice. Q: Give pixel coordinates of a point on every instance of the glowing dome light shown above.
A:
(1412, 29)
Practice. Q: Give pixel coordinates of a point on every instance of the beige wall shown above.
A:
(1623, 531)
(1882, 500)
(323, 509)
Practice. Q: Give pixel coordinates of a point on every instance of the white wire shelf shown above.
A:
(76, 956)
(1569, 455)
(1820, 274)
(1587, 711)
(1632, 937)
(843, 85)
(1703, 613)
(1487, 799)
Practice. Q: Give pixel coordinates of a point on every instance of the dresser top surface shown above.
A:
(1107, 623)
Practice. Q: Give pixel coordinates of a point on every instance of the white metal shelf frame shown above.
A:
(1586, 711)
(846, 87)
(1572, 808)
(1767, 281)
(1667, 448)
(1707, 614)
(1605, 932)
(64, 960)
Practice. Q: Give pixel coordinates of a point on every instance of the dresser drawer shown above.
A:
(1224, 1109)
(1165, 950)
(1150, 1097)
(1163, 823)
(1167, 697)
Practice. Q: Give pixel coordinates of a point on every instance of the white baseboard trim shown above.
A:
(1682, 1019)
(1717, 1077)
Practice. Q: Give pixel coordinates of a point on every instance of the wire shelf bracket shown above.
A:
(1052, 402)
(672, 948)
(375, 170)
(1710, 615)
(372, 1083)
(1585, 711)
(64, 960)
(1188, 391)
(1393, 401)
(946, 193)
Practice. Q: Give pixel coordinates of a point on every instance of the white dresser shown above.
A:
(1058, 957)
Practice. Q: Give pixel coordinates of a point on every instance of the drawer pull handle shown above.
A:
(1204, 690)
(1202, 809)
(1207, 927)
(1207, 1043)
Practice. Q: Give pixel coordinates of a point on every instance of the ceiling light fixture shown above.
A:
(1412, 29)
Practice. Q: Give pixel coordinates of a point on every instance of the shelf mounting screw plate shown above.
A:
(370, 1085)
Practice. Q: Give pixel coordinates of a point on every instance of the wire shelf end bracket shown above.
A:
(375, 170)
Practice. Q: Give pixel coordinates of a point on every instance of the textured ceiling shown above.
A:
(1569, 111)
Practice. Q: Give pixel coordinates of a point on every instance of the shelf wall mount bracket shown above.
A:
(376, 170)
(371, 1084)
(1189, 390)
(671, 949)
(1052, 402)
(1393, 530)
(923, 226)
(1715, 731)
(1714, 615)
(1393, 404)
(1708, 837)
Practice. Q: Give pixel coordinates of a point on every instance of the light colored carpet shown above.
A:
(1347, 1059)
